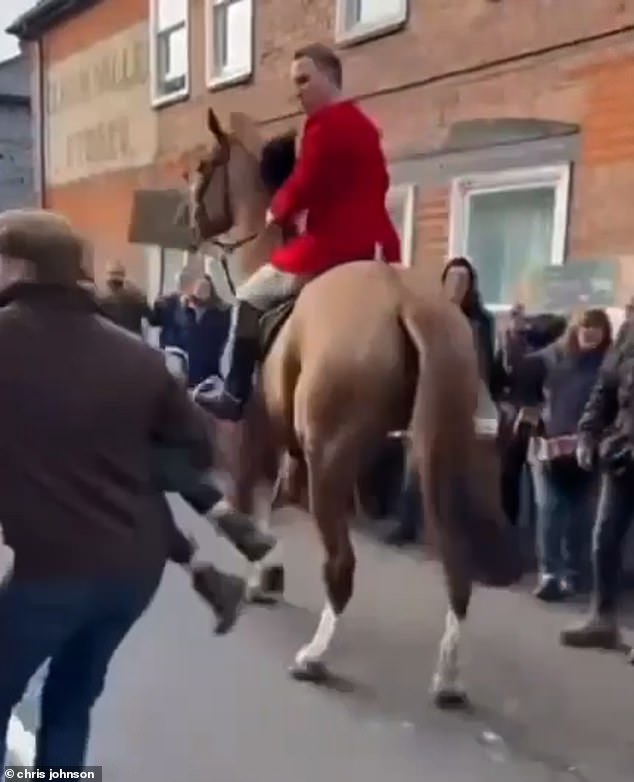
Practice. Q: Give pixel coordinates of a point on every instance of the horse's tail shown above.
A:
(459, 473)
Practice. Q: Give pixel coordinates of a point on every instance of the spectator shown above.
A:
(206, 325)
(168, 313)
(606, 436)
(122, 302)
(512, 441)
(559, 379)
(523, 335)
(195, 321)
(460, 281)
(409, 508)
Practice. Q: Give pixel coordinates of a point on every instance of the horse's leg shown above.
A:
(447, 688)
(329, 493)
(265, 580)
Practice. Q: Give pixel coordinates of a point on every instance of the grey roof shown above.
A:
(45, 15)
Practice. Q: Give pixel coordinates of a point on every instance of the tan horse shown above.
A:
(365, 351)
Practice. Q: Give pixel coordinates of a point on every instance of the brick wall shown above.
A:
(99, 206)
(455, 60)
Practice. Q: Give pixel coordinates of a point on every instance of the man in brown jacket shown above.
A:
(82, 408)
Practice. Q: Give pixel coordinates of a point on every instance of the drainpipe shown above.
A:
(40, 122)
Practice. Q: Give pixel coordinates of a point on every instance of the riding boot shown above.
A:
(228, 399)
(242, 532)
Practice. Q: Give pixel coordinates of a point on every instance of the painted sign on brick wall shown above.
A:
(98, 112)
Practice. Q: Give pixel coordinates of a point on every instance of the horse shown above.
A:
(364, 350)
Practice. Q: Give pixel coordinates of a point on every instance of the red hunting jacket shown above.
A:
(341, 181)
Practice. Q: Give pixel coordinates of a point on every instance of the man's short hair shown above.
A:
(324, 58)
(46, 241)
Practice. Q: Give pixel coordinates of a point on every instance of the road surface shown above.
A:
(182, 704)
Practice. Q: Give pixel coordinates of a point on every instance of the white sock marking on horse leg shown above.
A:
(317, 648)
(262, 500)
(20, 743)
(447, 677)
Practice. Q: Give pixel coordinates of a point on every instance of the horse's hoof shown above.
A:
(451, 699)
(273, 581)
(312, 671)
(257, 596)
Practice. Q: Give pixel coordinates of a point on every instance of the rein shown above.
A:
(227, 249)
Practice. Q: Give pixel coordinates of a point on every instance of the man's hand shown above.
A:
(585, 455)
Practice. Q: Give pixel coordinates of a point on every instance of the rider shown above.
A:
(340, 183)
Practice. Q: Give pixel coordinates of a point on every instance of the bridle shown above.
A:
(227, 249)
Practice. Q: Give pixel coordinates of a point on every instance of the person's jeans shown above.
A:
(409, 510)
(615, 516)
(565, 497)
(77, 626)
(513, 458)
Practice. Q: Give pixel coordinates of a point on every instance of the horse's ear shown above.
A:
(213, 123)
(246, 131)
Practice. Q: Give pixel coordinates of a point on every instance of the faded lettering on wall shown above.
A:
(98, 112)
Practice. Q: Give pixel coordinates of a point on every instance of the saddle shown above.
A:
(271, 322)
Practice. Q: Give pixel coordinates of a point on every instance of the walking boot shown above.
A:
(242, 532)
(226, 399)
(225, 594)
(599, 631)
(239, 528)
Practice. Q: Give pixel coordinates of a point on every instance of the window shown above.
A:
(169, 50)
(400, 206)
(230, 41)
(366, 18)
(510, 224)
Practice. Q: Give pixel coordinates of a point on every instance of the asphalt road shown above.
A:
(182, 704)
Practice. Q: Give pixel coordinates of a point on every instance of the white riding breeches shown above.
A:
(268, 285)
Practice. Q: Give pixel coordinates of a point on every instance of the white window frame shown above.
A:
(346, 32)
(222, 78)
(405, 197)
(158, 98)
(462, 188)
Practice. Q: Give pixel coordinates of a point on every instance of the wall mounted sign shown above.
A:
(98, 112)
(575, 284)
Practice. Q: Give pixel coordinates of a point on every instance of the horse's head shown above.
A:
(234, 181)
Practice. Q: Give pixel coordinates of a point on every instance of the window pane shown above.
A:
(510, 236)
(173, 54)
(239, 36)
(371, 11)
(232, 36)
(170, 13)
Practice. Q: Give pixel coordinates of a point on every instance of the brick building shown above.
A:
(509, 125)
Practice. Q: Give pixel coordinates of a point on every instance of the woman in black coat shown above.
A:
(460, 281)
